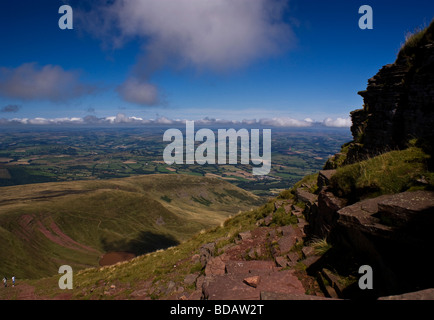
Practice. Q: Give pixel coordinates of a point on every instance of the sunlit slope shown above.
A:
(43, 226)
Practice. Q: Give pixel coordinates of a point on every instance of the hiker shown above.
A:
(13, 281)
(5, 281)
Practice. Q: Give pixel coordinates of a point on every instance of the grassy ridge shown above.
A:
(391, 172)
(47, 225)
(388, 173)
(158, 266)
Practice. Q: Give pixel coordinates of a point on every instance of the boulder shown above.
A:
(252, 281)
(281, 262)
(310, 260)
(286, 243)
(405, 216)
(215, 266)
(191, 278)
(206, 252)
(228, 287)
(233, 287)
(199, 282)
(322, 220)
(254, 253)
(401, 209)
(245, 267)
(324, 177)
(293, 258)
(386, 228)
(361, 216)
(427, 294)
(308, 251)
(243, 236)
(306, 197)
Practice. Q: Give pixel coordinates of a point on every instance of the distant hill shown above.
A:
(43, 226)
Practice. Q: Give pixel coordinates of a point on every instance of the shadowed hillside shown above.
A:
(46, 225)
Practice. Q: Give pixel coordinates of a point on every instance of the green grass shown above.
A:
(308, 183)
(132, 214)
(412, 40)
(202, 201)
(281, 218)
(388, 173)
(338, 160)
(159, 265)
(321, 246)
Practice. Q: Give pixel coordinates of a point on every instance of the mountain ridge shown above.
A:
(77, 222)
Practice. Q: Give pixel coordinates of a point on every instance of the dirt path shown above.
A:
(21, 291)
(24, 291)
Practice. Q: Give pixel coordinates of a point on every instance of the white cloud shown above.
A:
(216, 35)
(213, 34)
(339, 122)
(45, 121)
(121, 118)
(32, 82)
(284, 122)
(163, 120)
(135, 91)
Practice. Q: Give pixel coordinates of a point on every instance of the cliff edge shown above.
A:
(398, 103)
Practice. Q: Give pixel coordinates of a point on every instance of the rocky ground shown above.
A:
(301, 260)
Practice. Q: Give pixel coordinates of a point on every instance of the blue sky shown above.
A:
(192, 59)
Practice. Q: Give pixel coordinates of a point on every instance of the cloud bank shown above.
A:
(215, 35)
(339, 122)
(121, 118)
(33, 82)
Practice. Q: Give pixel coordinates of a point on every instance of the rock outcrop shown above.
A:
(398, 103)
(391, 233)
(259, 264)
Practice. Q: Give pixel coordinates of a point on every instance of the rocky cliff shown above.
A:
(398, 102)
(388, 228)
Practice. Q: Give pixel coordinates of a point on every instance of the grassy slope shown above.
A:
(159, 266)
(388, 173)
(156, 266)
(137, 214)
(391, 172)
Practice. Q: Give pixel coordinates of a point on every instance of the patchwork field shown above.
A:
(50, 154)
